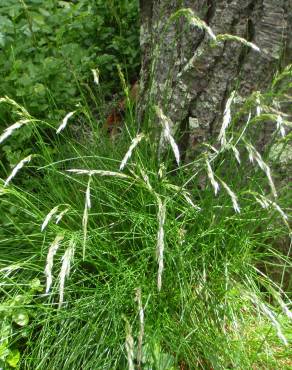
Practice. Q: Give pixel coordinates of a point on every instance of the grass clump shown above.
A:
(117, 254)
(140, 264)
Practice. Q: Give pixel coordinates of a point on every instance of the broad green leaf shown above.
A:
(20, 317)
(13, 358)
(4, 351)
(35, 285)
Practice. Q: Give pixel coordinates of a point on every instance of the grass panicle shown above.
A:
(67, 260)
(50, 261)
(65, 121)
(17, 168)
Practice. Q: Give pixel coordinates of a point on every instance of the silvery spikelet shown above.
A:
(65, 270)
(17, 168)
(50, 261)
(9, 130)
(48, 217)
(133, 145)
(95, 73)
(138, 299)
(226, 119)
(166, 134)
(232, 196)
(60, 215)
(65, 121)
(160, 240)
(211, 177)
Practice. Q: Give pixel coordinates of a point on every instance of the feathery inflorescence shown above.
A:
(67, 260)
(232, 196)
(65, 121)
(95, 73)
(226, 119)
(166, 134)
(9, 130)
(133, 145)
(50, 261)
(211, 177)
(160, 240)
(254, 155)
(17, 168)
(48, 217)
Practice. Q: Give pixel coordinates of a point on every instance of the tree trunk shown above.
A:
(191, 79)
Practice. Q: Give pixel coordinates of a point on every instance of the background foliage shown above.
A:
(47, 51)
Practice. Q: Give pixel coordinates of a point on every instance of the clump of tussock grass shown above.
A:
(206, 304)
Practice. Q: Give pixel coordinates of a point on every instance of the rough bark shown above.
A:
(189, 78)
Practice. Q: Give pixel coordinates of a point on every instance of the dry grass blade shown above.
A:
(21, 111)
(270, 315)
(266, 203)
(187, 197)
(274, 322)
(194, 20)
(236, 153)
(61, 214)
(146, 180)
(280, 125)
(17, 168)
(258, 106)
(282, 304)
(185, 194)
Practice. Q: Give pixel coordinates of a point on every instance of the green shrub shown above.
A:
(48, 49)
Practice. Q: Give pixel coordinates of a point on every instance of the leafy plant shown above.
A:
(49, 49)
(15, 314)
